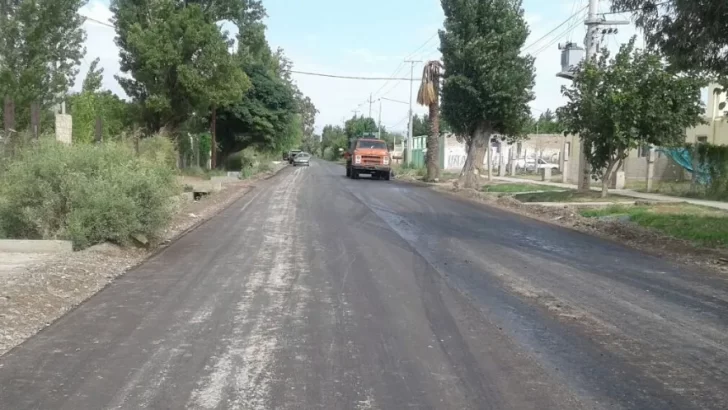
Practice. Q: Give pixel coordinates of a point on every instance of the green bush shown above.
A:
(85, 193)
(159, 149)
(240, 160)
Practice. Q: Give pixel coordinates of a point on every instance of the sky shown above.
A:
(372, 39)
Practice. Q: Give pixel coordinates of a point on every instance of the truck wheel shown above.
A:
(348, 172)
(386, 176)
(354, 174)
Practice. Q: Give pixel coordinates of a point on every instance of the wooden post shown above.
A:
(35, 120)
(99, 137)
(213, 144)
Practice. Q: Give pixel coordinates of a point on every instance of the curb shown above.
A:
(35, 246)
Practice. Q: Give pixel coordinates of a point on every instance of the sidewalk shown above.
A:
(626, 192)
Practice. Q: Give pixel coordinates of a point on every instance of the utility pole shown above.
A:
(409, 126)
(370, 105)
(593, 23)
(380, 118)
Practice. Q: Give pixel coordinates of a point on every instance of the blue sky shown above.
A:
(372, 39)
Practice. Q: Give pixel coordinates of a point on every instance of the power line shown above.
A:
(568, 30)
(402, 64)
(554, 29)
(346, 77)
(393, 100)
(103, 23)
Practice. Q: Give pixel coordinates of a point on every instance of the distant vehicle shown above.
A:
(368, 156)
(302, 159)
(545, 164)
(531, 164)
(292, 154)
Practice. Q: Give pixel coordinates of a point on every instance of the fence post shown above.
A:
(650, 168)
(98, 137)
(35, 120)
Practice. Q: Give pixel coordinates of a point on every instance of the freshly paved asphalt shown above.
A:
(317, 291)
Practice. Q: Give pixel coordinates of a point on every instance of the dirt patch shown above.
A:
(35, 290)
(626, 233)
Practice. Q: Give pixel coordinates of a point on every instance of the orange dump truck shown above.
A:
(368, 156)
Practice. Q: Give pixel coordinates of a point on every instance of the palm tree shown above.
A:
(429, 95)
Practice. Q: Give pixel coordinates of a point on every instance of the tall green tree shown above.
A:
(41, 45)
(308, 111)
(176, 59)
(547, 123)
(262, 117)
(94, 77)
(420, 125)
(488, 81)
(692, 34)
(92, 103)
(333, 138)
(357, 127)
(619, 104)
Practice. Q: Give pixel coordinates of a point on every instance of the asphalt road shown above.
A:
(317, 291)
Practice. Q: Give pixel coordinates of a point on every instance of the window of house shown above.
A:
(702, 139)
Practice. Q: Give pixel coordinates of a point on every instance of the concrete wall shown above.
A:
(715, 132)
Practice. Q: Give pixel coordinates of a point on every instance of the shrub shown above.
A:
(85, 193)
(159, 149)
(240, 160)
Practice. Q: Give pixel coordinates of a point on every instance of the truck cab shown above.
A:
(368, 156)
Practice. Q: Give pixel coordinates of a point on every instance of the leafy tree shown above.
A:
(420, 125)
(41, 45)
(92, 103)
(429, 95)
(262, 117)
(692, 34)
(487, 82)
(357, 127)
(176, 57)
(308, 112)
(547, 123)
(619, 104)
(94, 77)
(333, 138)
(311, 144)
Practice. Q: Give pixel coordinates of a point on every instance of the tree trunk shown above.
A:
(213, 142)
(489, 153)
(473, 167)
(607, 177)
(433, 143)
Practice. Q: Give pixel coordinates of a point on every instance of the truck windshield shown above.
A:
(372, 145)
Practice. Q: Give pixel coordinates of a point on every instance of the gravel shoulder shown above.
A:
(37, 289)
